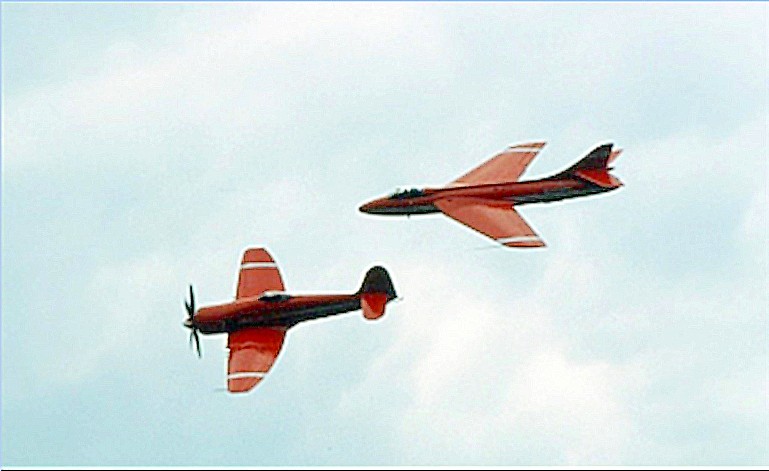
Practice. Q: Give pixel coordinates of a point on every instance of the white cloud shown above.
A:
(487, 378)
(121, 310)
(236, 76)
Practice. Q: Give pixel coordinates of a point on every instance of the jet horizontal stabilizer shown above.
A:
(600, 177)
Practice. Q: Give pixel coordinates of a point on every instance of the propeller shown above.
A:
(190, 323)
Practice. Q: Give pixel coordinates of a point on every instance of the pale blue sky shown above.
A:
(146, 145)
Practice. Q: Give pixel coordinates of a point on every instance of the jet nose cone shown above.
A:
(365, 208)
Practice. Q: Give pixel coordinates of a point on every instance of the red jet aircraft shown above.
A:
(485, 198)
(262, 312)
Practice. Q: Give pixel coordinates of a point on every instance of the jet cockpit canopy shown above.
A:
(409, 193)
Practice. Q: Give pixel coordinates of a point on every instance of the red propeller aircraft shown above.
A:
(262, 312)
(485, 198)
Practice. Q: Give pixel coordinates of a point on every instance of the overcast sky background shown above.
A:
(145, 146)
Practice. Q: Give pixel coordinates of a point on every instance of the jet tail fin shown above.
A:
(375, 292)
(594, 167)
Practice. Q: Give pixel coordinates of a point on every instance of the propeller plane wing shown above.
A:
(253, 350)
(258, 273)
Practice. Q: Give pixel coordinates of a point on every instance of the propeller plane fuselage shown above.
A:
(257, 321)
(285, 312)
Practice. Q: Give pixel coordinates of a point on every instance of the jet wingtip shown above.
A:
(525, 244)
(534, 145)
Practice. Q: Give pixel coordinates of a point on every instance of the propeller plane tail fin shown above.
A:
(375, 292)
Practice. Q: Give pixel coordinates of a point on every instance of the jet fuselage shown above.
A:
(517, 193)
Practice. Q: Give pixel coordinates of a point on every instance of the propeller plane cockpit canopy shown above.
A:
(257, 321)
(274, 296)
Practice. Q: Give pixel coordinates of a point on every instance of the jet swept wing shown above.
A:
(495, 219)
(507, 166)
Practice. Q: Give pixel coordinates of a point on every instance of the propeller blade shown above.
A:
(197, 343)
(192, 300)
